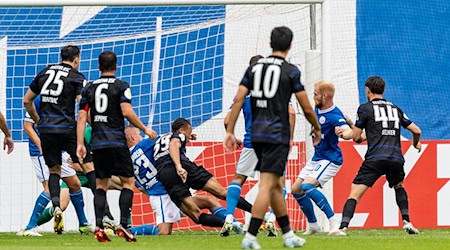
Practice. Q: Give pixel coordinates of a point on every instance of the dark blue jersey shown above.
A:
(144, 167)
(58, 85)
(162, 155)
(328, 148)
(103, 97)
(382, 120)
(271, 81)
(247, 111)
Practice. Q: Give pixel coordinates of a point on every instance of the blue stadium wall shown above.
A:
(408, 45)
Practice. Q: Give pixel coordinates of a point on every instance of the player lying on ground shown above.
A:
(177, 174)
(326, 161)
(381, 121)
(166, 212)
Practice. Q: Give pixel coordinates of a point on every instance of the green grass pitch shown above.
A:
(358, 239)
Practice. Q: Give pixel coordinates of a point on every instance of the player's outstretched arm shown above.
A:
(415, 130)
(310, 115)
(358, 135)
(29, 105)
(8, 142)
(128, 112)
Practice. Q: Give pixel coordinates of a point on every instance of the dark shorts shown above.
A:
(197, 177)
(54, 144)
(112, 161)
(272, 158)
(370, 171)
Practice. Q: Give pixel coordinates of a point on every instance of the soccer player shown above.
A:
(177, 174)
(8, 141)
(108, 100)
(326, 161)
(59, 86)
(42, 173)
(381, 121)
(247, 163)
(166, 211)
(271, 81)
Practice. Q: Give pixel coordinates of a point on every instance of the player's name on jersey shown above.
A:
(261, 104)
(271, 60)
(100, 118)
(388, 132)
(60, 67)
(50, 99)
(104, 80)
(381, 102)
(137, 154)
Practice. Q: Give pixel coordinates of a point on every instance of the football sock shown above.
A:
(402, 201)
(210, 220)
(244, 205)
(39, 206)
(146, 229)
(125, 203)
(53, 185)
(318, 198)
(78, 203)
(253, 228)
(220, 212)
(347, 215)
(45, 217)
(307, 207)
(99, 205)
(283, 222)
(233, 195)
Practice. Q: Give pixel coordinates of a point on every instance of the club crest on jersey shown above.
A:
(322, 120)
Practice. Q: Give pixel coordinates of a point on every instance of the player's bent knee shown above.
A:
(307, 187)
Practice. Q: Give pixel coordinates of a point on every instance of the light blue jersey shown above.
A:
(328, 148)
(32, 148)
(144, 167)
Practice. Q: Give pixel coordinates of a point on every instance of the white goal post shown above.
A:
(313, 64)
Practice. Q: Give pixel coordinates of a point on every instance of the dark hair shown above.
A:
(107, 61)
(255, 59)
(376, 84)
(69, 53)
(180, 123)
(281, 38)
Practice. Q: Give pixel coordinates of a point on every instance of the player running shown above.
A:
(381, 121)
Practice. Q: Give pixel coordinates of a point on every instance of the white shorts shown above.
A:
(322, 171)
(165, 210)
(247, 162)
(42, 172)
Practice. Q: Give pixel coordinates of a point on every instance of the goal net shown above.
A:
(181, 61)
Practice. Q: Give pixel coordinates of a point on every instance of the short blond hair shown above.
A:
(325, 87)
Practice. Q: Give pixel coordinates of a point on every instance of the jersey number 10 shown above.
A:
(270, 83)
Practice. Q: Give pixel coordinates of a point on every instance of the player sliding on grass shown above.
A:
(166, 211)
(177, 174)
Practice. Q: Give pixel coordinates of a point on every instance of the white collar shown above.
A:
(326, 110)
